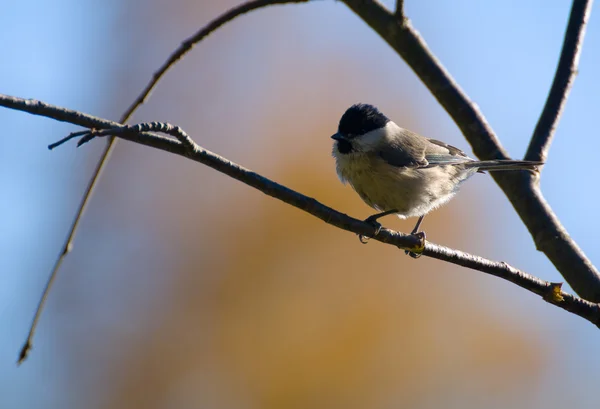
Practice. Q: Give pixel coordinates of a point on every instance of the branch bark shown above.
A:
(563, 81)
(521, 188)
(185, 146)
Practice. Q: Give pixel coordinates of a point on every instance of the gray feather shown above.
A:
(411, 150)
(498, 165)
(405, 150)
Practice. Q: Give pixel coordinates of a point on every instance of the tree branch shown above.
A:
(111, 143)
(563, 81)
(189, 43)
(185, 146)
(521, 188)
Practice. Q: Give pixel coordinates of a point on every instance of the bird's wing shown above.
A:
(405, 150)
(411, 150)
(440, 153)
(402, 158)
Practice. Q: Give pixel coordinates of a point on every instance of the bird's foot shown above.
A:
(372, 220)
(417, 251)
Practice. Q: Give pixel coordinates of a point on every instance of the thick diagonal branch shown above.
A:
(521, 188)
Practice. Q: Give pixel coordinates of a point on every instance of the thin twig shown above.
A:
(178, 54)
(67, 247)
(521, 188)
(550, 292)
(187, 45)
(67, 139)
(566, 71)
(400, 9)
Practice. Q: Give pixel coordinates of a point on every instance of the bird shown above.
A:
(397, 171)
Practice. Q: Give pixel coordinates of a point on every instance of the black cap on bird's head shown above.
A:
(360, 119)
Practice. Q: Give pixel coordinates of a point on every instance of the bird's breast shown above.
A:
(410, 191)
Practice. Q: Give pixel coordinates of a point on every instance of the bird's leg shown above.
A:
(372, 220)
(420, 235)
(416, 229)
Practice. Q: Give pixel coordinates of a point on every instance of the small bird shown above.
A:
(400, 172)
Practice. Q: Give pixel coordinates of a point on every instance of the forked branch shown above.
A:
(521, 188)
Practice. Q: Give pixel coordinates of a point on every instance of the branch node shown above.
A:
(554, 294)
(417, 250)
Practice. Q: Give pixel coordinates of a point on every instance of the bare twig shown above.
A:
(68, 138)
(185, 146)
(187, 45)
(178, 54)
(400, 9)
(521, 188)
(563, 81)
(67, 247)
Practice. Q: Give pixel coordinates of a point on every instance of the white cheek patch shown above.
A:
(374, 139)
(368, 141)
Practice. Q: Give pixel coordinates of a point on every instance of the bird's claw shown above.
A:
(376, 225)
(417, 251)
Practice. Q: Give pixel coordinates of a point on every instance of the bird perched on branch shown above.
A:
(397, 171)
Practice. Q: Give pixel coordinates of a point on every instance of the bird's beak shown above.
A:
(337, 137)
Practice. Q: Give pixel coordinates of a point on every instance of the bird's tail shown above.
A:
(498, 165)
